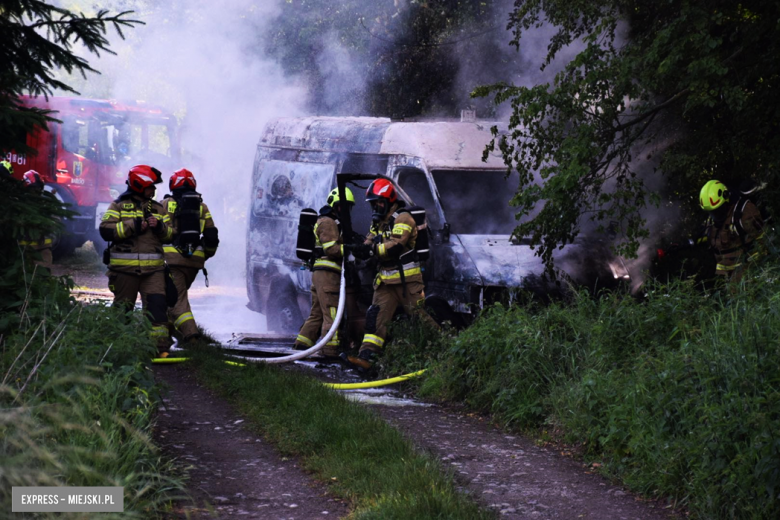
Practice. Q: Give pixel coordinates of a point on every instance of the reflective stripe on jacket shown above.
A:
(398, 233)
(732, 250)
(135, 251)
(328, 239)
(198, 259)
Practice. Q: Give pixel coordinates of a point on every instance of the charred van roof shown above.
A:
(440, 144)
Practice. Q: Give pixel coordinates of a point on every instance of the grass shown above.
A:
(77, 400)
(678, 395)
(341, 442)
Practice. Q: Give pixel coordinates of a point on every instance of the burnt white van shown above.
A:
(436, 165)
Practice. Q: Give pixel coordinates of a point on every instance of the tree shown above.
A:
(405, 58)
(36, 39)
(697, 80)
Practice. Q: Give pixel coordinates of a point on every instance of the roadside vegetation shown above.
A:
(76, 395)
(675, 394)
(341, 442)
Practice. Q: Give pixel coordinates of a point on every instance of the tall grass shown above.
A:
(342, 442)
(677, 394)
(77, 400)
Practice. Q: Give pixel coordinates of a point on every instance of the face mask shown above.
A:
(379, 209)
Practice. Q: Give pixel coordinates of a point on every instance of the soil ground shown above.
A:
(232, 472)
(509, 474)
(235, 473)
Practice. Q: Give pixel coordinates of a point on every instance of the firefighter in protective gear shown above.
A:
(40, 244)
(137, 226)
(184, 263)
(326, 275)
(734, 230)
(399, 281)
(6, 169)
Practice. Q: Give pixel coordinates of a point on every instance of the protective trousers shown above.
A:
(181, 313)
(151, 286)
(324, 304)
(387, 298)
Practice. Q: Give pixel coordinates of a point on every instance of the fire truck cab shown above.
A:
(84, 160)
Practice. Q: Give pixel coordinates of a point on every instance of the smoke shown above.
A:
(343, 75)
(205, 62)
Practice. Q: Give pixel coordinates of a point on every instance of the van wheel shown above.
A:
(284, 316)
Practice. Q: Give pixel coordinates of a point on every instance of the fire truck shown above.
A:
(85, 159)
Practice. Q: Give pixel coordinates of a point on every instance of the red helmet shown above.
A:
(182, 179)
(381, 188)
(33, 179)
(142, 176)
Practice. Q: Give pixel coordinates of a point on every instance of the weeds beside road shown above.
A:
(344, 444)
(77, 398)
(677, 395)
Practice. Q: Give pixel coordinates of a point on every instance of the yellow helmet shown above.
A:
(713, 195)
(333, 196)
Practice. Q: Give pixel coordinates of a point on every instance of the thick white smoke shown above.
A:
(204, 61)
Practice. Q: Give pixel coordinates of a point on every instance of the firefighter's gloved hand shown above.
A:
(357, 238)
(362, 251)
(153, 222)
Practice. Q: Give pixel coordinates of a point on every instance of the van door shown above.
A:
(281, 190)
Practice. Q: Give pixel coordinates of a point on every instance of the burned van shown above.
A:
(436, 165)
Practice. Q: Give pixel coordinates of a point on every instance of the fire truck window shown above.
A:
(74, 136)
(159, 140)
(414, 183)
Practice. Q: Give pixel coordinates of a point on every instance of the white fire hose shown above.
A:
(321, 343)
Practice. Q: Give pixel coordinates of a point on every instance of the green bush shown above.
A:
(678, 393)
(77, 396)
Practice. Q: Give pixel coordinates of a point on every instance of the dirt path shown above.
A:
(233, 472)
(240, 475)
(513, 476)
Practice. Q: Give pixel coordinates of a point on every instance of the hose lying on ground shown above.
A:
(304, 353)
(321, 343)
(373, 384)
(335, 386)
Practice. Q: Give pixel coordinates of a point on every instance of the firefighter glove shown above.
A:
(362, 251)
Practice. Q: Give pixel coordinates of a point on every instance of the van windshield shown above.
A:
(477, 202)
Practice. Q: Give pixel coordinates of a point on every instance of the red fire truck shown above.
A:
(84, 160)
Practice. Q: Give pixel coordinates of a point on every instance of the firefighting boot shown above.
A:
(363, 362)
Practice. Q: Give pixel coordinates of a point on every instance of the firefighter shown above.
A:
(399, 280)
(734, 231)
(6, 170)
(135, 225)
(41, 244)
(196, 241)
(326, 274)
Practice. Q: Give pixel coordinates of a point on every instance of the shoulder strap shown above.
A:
(736, 218)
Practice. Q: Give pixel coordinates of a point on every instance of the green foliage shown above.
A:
(77, 401)
(37, 39)
(372, 463)
(676, 393)
(696, 80)
(411, 53)
(26, 214)
(76, 395)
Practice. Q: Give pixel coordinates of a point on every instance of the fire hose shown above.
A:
(321, 343)
(305, 353)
